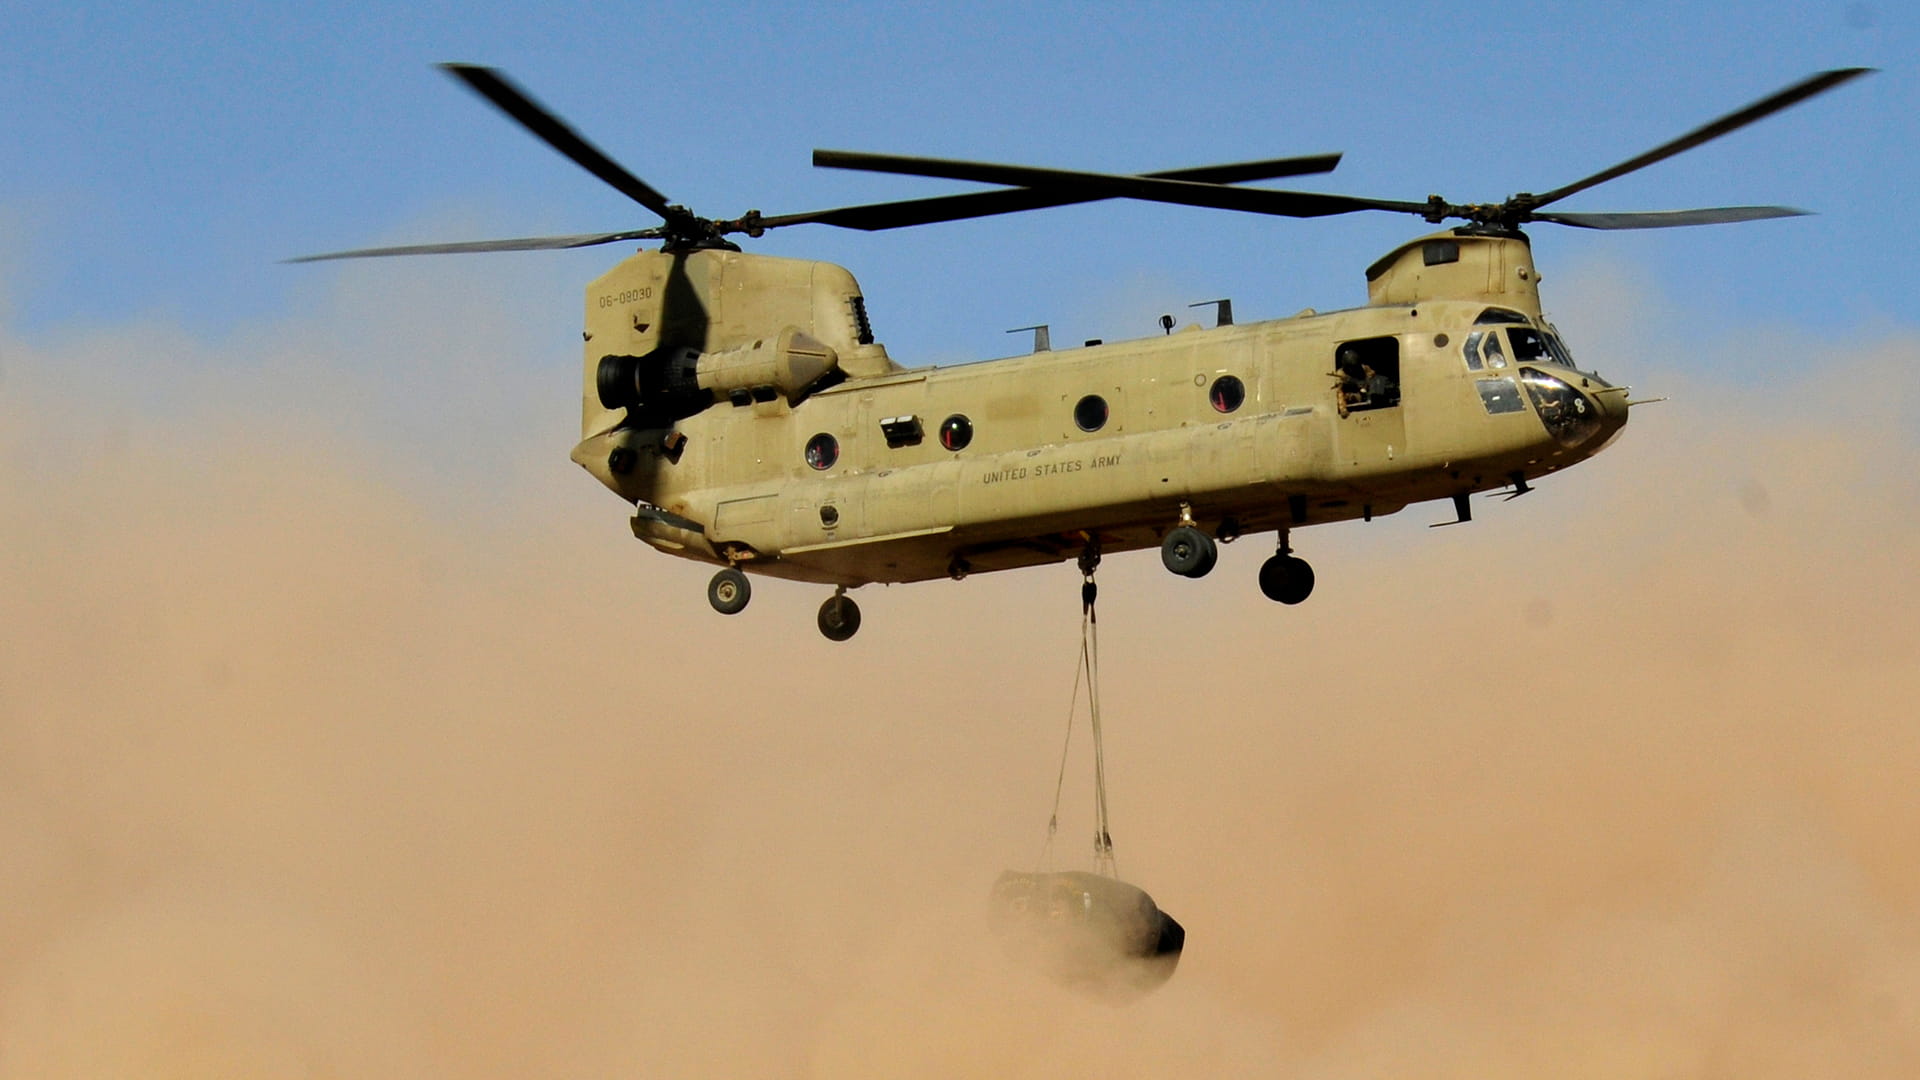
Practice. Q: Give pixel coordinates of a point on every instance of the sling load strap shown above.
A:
(1090, 659)
(1086, 671)
(1066, 746)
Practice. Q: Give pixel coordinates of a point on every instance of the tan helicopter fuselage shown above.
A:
(1448, 382)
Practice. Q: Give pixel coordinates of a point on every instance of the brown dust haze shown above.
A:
(307, 770)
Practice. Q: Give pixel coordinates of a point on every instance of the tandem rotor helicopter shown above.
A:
(744, 407)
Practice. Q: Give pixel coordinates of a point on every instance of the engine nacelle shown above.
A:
(791, 364)
(677, 381)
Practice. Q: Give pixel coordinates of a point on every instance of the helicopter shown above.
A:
(743, 406)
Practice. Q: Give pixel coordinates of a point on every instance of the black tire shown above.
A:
(839, 618)
(1212, 557)
(729, 591)
(1286, 579)
(1187, 551)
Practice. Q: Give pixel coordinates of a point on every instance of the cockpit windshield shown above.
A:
(1560, 350)
(1530, 346)
(1540, 347)
(1482, 349)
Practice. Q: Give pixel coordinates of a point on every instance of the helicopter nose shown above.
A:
(1613, 408)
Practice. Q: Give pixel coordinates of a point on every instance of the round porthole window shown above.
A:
(956, 432)
(1091, 413)
(822, 451)
(1227, 394)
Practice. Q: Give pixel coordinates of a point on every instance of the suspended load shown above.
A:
(1086, 931)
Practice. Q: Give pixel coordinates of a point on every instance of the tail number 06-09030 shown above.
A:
(627, 296)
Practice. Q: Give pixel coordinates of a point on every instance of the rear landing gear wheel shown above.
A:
(839, 617)
(1286, 579)
(729, 592)
(1188, 552)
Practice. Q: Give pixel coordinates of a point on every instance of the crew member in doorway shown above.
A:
(1378, 388)
(1351, 376)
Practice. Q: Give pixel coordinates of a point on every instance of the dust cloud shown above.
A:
(307, 773)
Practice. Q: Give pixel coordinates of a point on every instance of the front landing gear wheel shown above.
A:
(1212, 557)
(839, 617)
(1286, 579)
(729, 592)
(1188, 552)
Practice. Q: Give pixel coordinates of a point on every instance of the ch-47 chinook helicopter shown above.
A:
(743, 406)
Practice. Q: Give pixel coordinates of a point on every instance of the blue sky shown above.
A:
(159, 159)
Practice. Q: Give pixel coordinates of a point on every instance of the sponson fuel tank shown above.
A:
(1095, 934)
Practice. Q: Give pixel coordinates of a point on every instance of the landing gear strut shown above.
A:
(729, 592)
(1285, 578)
(839, 616)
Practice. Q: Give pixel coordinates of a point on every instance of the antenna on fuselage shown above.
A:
(1222, 311)
(1042, 338)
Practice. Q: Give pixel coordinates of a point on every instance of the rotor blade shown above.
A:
(513, 101)
(1306, 165)
(531, 243)
(1667, 219)
(894, 215)
(1766, 106)
(1087, 185)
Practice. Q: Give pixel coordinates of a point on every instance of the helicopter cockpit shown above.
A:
(1502, 337)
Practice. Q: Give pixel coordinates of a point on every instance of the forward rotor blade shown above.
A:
(531, 243)
(894, 215)
(548, 128)
(1087, 185)
(1766, 106)
(1667, 219)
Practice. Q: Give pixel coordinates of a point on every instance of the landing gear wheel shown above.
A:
(1286, 579)
(729, 592)
(1212, 556)
(1188, 552)
(839, 617)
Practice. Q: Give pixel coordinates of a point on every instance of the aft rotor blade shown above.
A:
(531, 243)
(894, 215)
(1306, 165)
(1088, 185)
(1766, 106)
(550, 129)
(1667, 219)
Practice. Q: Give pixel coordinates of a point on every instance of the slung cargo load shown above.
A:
(1095, 934)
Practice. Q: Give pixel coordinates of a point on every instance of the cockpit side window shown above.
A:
(1482, 349)
(1366, 374)
(1500, 315)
